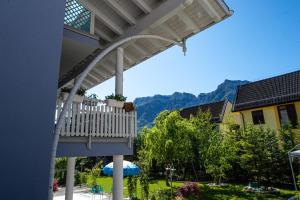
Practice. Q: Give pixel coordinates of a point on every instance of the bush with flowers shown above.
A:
(189, 190)
(55, 185)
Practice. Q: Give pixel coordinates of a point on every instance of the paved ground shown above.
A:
(80, 194)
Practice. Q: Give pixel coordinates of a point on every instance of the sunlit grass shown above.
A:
(232, 192)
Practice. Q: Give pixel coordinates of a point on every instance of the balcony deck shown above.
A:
(91, 123)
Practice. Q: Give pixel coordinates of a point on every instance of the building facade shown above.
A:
(272, 102)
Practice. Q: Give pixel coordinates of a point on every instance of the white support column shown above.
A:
(70, 178)
(118, 159)
(119, 71)
(118, 177)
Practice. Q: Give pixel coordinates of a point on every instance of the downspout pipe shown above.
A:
(76, 87)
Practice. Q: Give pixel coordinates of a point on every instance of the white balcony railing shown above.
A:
(84, 120)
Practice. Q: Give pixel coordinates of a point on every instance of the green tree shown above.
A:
(168, 143)
(260, 152)
(220, 154)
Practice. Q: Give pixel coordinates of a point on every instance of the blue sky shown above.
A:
(260, 40)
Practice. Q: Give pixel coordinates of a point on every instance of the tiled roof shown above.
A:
(216, 109)
(276, 90)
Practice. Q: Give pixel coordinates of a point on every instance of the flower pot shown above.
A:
(77, 98)
(128, 106)
(114, 103)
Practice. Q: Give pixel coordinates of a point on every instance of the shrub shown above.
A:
(81, 178)
(189, 190)
(132, 186)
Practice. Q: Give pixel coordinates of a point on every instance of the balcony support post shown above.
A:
(70, 178)
(119, 71)
(118, 159)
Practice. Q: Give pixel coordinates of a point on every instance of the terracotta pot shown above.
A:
(129, 106)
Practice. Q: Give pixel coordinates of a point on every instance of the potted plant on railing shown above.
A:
(91, 100)
(115, 100)
(79, 96)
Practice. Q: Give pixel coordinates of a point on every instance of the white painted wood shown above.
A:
(92, 24)
(141, 50)
(94, 77)
(123, 123)
(68, 119)
(105, 122)
(135, 127)
(103, 35)
(70, 178)
(109, 122)
(59, 108)
(98, 121)
(167, 29)
(119, 71)
(118, 177)
(87, 121)
(121, 11)
(142, 5)
(132, 124)
(94, 120)
(82, 120)
(102, 17)
(78, 116)
(206, 4)
(117, 122)
(127, 124)
(101, 72)
(191, 25)
(102, 122)
(113, 121)
(74, 112)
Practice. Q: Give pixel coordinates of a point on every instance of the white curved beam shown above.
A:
(77, 84)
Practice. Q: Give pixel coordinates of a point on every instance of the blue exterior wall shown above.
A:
(30, 48)
(97, 149)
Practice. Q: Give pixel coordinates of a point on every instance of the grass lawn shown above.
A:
(233, 191)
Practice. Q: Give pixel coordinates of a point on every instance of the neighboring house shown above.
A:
(270, 102)
(219, 111)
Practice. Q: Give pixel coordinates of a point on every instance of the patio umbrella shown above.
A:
(129, 169)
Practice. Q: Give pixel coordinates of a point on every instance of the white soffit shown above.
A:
(173, 19)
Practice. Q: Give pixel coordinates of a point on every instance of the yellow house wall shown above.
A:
(271, 117)
(228, 117)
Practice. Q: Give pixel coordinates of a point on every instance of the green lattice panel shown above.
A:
(77, 16)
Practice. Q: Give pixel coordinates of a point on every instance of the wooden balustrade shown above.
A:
(84, 120)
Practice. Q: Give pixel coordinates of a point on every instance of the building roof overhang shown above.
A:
(114, 20)
(276, 90)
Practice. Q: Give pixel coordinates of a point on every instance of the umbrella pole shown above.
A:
(293, 174)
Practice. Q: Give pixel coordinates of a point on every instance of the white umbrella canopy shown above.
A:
(129, 169)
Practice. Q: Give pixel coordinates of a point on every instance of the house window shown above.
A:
(258, 117)
(287, 114)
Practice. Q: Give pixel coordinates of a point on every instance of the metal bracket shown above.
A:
(184, 48)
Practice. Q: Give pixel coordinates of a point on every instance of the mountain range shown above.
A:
(149, 107)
